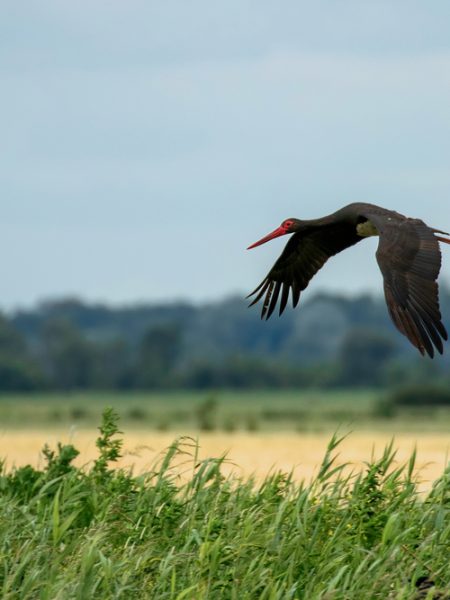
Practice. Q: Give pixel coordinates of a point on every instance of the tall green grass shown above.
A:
(101, 533)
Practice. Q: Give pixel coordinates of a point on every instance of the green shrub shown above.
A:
(252, 423)
(136, 413)
(421, 396)
(384, 408)
(206, 413)
(79, 413)
(229, 424)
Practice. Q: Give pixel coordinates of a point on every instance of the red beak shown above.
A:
(279, 231)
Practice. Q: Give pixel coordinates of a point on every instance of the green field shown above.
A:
(70, 533)
(223, 410)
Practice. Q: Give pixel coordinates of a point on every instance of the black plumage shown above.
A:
(408, 255)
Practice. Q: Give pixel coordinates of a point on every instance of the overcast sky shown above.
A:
(145, 144)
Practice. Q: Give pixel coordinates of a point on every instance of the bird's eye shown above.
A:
(287, 224)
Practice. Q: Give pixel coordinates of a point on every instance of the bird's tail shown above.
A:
(442, 239)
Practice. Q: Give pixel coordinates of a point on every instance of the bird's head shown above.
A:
(287, 226)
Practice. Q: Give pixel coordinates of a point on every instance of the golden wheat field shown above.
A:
(247, 453)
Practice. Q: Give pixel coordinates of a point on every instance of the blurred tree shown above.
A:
(20, 376)
(12, 343)
(415, 371)
(219, 344)
(112, 368)
(242, 372)
(158, 354)
(18, 372)
(363, 356)
(67, 357)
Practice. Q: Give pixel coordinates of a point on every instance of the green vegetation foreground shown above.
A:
(103, 533)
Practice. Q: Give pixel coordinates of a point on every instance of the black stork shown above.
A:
(408, 255)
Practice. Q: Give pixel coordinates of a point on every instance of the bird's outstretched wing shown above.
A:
(304, 254)
(409, 258)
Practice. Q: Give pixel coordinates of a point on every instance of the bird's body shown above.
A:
(408, 255)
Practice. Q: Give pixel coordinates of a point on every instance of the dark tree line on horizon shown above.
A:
(331, 341)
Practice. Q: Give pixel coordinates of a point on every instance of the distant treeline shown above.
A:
(331, 341)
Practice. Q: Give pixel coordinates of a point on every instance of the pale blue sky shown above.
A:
(144, 145)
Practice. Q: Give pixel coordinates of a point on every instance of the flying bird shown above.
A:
(408, 255)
